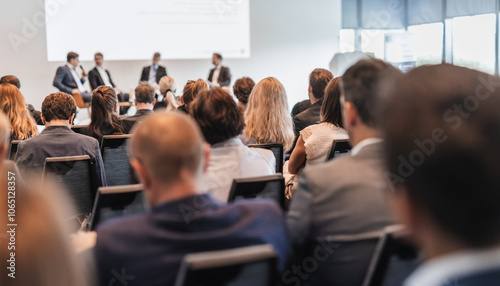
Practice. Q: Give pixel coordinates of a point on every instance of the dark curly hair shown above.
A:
(218, 116)
(58, 105)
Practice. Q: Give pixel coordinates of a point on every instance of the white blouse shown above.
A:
(318, 140)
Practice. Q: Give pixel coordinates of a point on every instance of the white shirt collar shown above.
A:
(440, 270)
(368, 141)
(70, 66)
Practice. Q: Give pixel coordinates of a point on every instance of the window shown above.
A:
(373, 41)
(428, 41)
(347, 40)
(474, 42)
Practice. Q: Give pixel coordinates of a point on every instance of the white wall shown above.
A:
(289, 38)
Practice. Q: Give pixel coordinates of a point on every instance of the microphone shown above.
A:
(84, 73)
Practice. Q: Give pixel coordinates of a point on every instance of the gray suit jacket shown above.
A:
(343, 200)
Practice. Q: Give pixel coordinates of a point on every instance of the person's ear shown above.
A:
(135, 102)
(116, 107)
(310, 89)
(43, 118)
(350, 114)
(71, 119)
(206, 156)
(405, 210)
(3, 150)
(142, 173)
(154, 102)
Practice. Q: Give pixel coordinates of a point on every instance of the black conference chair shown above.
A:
(79, 129)
(13, 150)
(74, 173)
(339, 148)
(244, 266)
(277, 150)
(116, 201)
(395, 258)
(265, 187)
(116, 161)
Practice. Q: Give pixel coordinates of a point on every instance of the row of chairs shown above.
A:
(394, 258)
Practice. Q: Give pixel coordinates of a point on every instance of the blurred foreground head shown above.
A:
(441, 128)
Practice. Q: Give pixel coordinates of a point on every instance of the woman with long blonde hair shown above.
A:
(12, 103)
(267, 118)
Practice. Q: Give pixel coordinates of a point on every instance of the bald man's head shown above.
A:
(166, 144)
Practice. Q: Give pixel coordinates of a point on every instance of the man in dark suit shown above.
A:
(220, 75)
(442, 143)
(69, 81)
(300, 106)
(318, 80)
(58, 140)
(169, 156)
(153, 73)
(98, 75)
(345, 201)
(145, 102)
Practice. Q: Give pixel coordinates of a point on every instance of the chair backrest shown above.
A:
(395, 258)
(79, 129)
(264, 187)
(116, 201)
(277, 150)
(244, 266)
(116, 161)
(339, 147)
(74, 173)
(13, 150)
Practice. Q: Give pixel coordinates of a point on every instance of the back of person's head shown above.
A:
(70, 56)
(144, 93)
(167, 145)
(242, 89)
(267, 119)
(12, 104)
(166, 83)
(58, 106)
(192, 89)
(331, 110)
(360, 86)
(218, 116)
(104, 119)
(318, 79)
(440, 125)
(42, 242)
(12, 79)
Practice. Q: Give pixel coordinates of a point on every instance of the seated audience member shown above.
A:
(167, 89)
(15, 81)
(58, 140)
(13, 105)
(318, 79)
(221, 122)
(10, 166)
(441, 143)
(169, 156)
(145, 101)
(190, 92)
(242, 89)
(345, 201)
(315, 141)
(104, 115)
(69, 81)
(42, 246)
(267, 118)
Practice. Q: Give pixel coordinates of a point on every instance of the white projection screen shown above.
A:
(135, 29)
